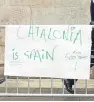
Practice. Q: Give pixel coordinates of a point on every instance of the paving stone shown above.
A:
(86, 99)
(14, 98)
(47, 98)
(40, 98)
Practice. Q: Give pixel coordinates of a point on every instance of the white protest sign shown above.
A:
(58, 51)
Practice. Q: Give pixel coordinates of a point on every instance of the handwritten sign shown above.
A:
(59, 51)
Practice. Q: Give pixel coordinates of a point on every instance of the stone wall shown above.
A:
(2, 49)
(44, 11)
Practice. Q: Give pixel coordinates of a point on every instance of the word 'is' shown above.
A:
(35, 54)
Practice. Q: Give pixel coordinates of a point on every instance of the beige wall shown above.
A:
(44, 11)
